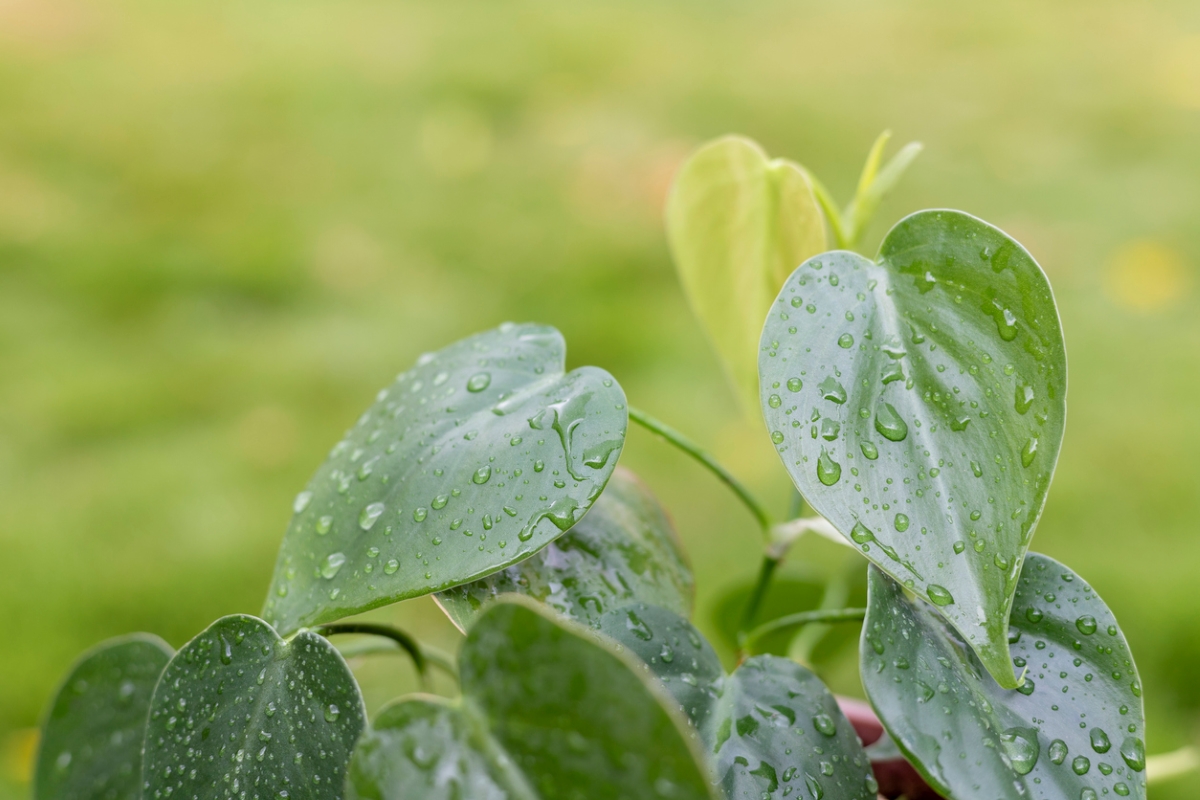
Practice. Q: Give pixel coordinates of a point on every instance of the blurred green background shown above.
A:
(225, 225)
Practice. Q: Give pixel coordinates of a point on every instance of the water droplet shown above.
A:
(1029, 451)
(901, 523)
(1081, 765)
(301, 502)
(869, 450)
(667, 654)
(1022, 748)
(960, 546)
(1100, 742)
(888, 423)
(1121, 789)
(1087, 794)
(828, 470)
(323, 525)
(440, 501)
(832, 390)
(774, 401)
(333, 563)
(638, 627)
(976, 470)
(777, 437)
(479, 381)
(1024, 398)
(1086, 624)
(368, 515)
(481, 475)
(794, 384)
(814, 787)
(845, 341)
(1033, 614)
(1133, 750)
(861, 534)
(824, 724)
(939, 595)
(419, 515)
(1057, 751)
(391, 566)
(332, 712)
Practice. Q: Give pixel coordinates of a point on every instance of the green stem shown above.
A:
(803, 618)
(422, 655)
(765, 572)
(692, 449)
(1165, 766)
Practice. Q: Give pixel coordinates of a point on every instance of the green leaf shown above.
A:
(241, 710)
(776, 727)
(477, 457)
(771, 726)
(91, 742)
(874, 184)
(738, 224)
(624, 550)
(673, 652)
(918, 403)
(1075, 728)
(549, 711)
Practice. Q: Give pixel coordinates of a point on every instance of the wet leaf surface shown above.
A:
(1075, 730)
(241, 712)
(477, 457)
(624, 550)
(91, 741)
(918, 403)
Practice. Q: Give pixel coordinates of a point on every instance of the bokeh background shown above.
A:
(224, 225)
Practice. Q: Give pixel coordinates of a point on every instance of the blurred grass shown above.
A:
(224, 225)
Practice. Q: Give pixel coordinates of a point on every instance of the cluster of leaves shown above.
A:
(917, 400)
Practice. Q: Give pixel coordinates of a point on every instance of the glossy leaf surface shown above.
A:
(239, 711)
(918, 403)
(1074, 729)
(426, 748)
(550, 710)
(479, 456)
(673, 652)
(771, 728)
(738, 224)
(777, 727)
(91, 741)
(624, 550)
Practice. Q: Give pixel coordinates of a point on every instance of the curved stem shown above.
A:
(692, 449)
(803, 618)
(422, 655)
(765, 572)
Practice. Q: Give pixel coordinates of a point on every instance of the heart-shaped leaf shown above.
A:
(549, 711)
(240, 712)
(474, 459)
(738, 224)
(1074, 730)
(769, 727)
(918, 403)
(91, 742)
(624, 550)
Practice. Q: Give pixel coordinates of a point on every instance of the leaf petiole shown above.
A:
(797, 620)
(422, 655)
(695, 451)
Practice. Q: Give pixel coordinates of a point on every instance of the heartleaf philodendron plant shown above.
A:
(917, 400)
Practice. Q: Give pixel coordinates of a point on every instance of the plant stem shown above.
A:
(422, 655)
(803, 618)
(1165, 766)
(692, 449)
(769, 563)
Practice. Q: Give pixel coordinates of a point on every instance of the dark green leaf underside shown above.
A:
(239, 711)
(91, 742)
(624, 550)
(474, 459)
(549, 711)
(1074, 730)
(918, 404)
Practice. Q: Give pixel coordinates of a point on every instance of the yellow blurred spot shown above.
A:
(346, 257)
(1146, 276)
(456, 141)
(1179, 72)
(20, 749)
(266, 436)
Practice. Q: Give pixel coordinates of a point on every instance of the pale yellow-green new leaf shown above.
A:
(738, 224)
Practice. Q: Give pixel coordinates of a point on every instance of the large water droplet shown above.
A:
(369, 514)
(333, 563)
(832, 390)
(1080, 765)
(637, 626)
(301, 502)
(1057, 751)
(869, 450)
(901, 522)
(1086, 624)
(332, 712)
(479, 381)
(794, 384)
(828, 470)
(482, 475)
(845, 341)
(1022, 748)
(323, 525)
(889, 424)
(1100, 742)
(777, 437)
(1024, 398)
(861, 534)
(824, 724)
(1029, 451)
(939, 595)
